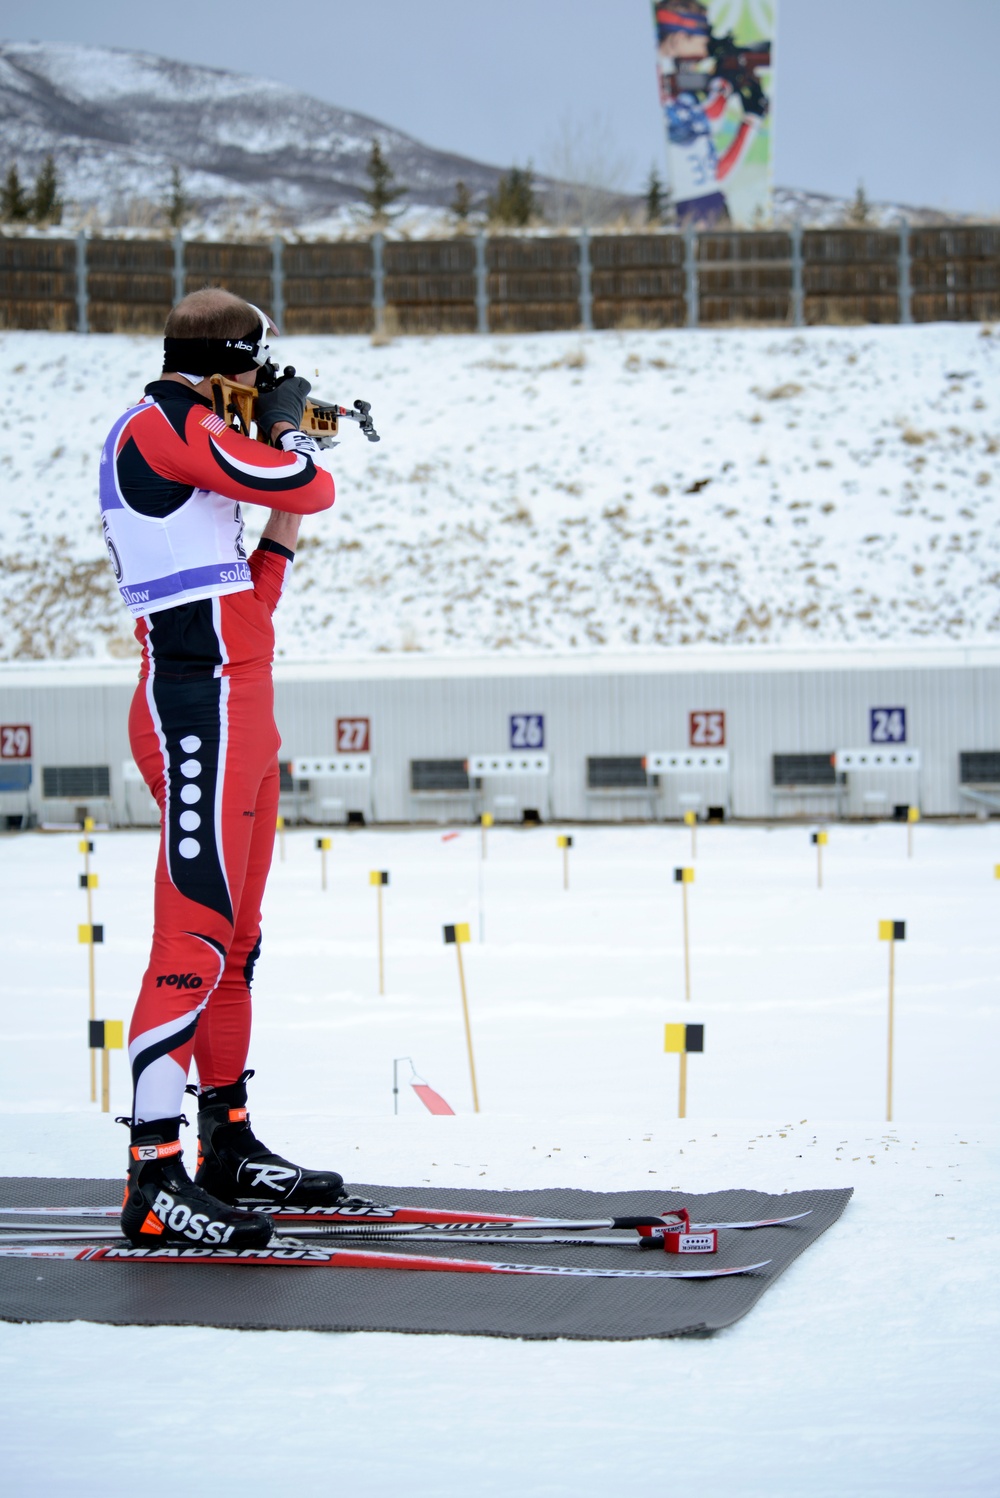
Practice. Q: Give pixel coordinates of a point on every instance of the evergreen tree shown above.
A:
(384, 189)
(461, 204)
(860, 211)
(46, 204)
(514, 201)
(178, 206)
(15, 203)
(657, 198)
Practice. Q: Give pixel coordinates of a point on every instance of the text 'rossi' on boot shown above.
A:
(164, 1207)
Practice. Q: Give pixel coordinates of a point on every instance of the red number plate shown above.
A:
(707, 730)
(353, 735)
(15, 741)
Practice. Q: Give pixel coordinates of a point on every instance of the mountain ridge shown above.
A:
(255, 154)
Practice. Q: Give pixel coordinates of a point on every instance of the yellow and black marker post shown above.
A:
(379, 877)
(684, 877)
(892, 932)
(691, 820)
(279, 827)
(485, 822)
(565, 843)
(458, 936)
(683, 1039)
(323, 846)
(820, 839)
(88, 881)
(912, 817)
(105, 1035)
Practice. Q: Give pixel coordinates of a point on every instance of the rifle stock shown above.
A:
(237, 405)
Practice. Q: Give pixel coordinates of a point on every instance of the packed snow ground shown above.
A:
(868, 1369)
(567, 491)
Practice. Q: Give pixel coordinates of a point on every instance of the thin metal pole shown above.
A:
(586, 297)
(691, 277)
(90, 966)
(694, 839)
(468, 1027)
(82, 320)
(687, 956)
(798, 298)
(180, 281)
(905, 282)
(565, 868)
(682, 1094)
(481, 882)
(482, 287)
(277, 280)
(892, 1003)
(105, 1082)
(381, 958)
(819, 865)
(378, 281)
(395, 1086)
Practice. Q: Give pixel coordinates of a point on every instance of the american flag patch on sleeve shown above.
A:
(213, 423)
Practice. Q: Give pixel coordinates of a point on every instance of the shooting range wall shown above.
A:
(578, 727)
(516, 282)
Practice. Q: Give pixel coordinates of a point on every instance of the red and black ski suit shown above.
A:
(201, 726)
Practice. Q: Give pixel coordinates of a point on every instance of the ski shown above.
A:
(689, 1242)
(357, 1217)
(317, 1257)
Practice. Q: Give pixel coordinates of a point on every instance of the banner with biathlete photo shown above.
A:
(715, 62)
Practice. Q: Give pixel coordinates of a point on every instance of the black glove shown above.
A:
(286, 402)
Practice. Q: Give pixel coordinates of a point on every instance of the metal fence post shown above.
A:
(378, 280)
(482, 287)
(691, 276)
(277, 281)
(905, 285)
(798, 298)
(82, 321)
(180, 280)
(586, 298)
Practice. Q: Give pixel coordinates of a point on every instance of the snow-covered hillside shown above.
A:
(118, 121)
(254, 154)
(567, 492)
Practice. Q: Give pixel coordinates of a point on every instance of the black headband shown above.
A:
(209, 356)
(224, 356)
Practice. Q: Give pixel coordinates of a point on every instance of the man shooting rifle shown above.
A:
(174, 478)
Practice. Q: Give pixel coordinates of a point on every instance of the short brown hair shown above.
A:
(211, 312)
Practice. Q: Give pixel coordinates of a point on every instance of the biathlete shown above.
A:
(173, 480)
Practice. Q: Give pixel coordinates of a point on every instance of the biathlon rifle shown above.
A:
(739, 67)
(236, 405)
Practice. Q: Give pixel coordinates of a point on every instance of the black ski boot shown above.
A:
(163, 1206)
(234, 1166)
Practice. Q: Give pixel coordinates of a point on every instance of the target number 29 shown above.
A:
(15, 741)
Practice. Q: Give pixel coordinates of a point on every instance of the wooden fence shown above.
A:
(515, 283)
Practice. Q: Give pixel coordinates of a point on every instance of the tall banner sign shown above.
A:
(716, 70)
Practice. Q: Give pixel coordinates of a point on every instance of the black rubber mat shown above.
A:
(327, 1299)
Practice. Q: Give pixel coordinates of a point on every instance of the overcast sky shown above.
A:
(897, 93)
